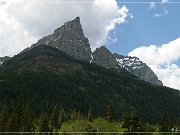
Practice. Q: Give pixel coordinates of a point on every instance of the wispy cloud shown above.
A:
(165, 12)
(164, 1)
(152, 5)
(112, 38)
(162, 59)
(159, 9)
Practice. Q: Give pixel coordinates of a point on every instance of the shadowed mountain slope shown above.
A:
(45, 75)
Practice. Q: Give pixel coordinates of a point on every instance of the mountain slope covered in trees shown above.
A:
(45, 76)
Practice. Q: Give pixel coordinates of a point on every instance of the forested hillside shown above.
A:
(45, 76)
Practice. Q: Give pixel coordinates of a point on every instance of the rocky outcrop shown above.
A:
(102, 56)
(70, 39)
(138, 68)
(3, 59)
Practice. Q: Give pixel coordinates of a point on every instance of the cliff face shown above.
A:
(3, 59)
(138, 68)
(102, 56)
(70, 39)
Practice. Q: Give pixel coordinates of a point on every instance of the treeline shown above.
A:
(20, 119)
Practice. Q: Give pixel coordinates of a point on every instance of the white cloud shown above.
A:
(158, 8)
(2, 3)
(23, 23)
(164, 1)
(112, 38)
(162, 61)
(152, 5)
(165, 12)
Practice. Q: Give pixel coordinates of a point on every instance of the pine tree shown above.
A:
(74, 115)
(62, 119)
(4, 115)
(90, 117)
(109, 116)
(62, 116)
(79, 116)
(132, 122)
(43, 123)
(20, 119)
(126, 122)
(55, 118)
(163, 124)
(27, 120)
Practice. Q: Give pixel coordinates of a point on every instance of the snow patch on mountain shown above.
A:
(132, 62)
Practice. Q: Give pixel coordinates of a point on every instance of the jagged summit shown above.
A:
(102, 56)
(73, 26)
(138, 68)
(70, 39)
(102, 52)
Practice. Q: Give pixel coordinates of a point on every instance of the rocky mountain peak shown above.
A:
(73, 26)
(70, 39)
(102, 52)
(3, 59)
(102, 56)
(138, 68)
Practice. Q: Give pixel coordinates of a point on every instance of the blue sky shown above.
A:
(157, 26)
(145, 29)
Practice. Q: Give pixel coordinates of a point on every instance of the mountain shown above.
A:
(138, 68)
(45, 76)
(102, 56)
(70, 39)
(3, 59)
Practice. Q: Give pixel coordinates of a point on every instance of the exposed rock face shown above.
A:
(70, 39)
(102, 56)
(138, 68)
(3, 59)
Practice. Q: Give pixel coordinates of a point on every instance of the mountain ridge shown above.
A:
(138, 68)
(46, 75)
(70, 39)
(105, 58)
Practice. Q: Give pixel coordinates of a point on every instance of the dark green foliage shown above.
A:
(75, 115)
(132, 123)
(56, 118)
(20, 119)
(46, 76)
(43, 123)
(4, 115)
(62, 117)
(164, 125)
(109, 116)
(90, 117)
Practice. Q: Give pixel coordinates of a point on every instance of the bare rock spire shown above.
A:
(70, 39)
